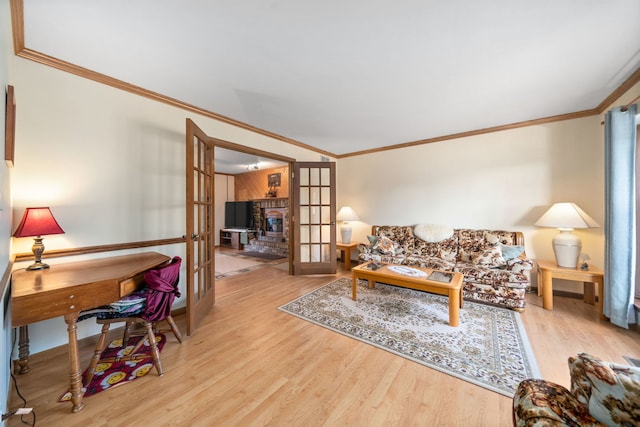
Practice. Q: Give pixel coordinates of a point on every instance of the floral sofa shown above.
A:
(602, 394)
(493, 262)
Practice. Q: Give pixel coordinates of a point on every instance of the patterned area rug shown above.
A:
(112, 374)
(489, 348)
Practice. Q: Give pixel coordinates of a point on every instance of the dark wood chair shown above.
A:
(160, 291)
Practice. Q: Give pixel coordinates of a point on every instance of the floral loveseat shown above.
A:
(493, 262)
(602, 394)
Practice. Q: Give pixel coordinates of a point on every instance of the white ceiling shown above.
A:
(235, 162)
(351, 75)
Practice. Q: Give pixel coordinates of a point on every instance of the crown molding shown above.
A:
(17, 19)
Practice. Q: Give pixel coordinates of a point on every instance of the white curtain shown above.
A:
(620, 215)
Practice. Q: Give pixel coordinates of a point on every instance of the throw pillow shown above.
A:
(384, 245)
(432, 233)
(372, 240)
(490, 257)
(510, 252)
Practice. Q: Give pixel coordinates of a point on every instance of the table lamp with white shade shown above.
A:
(346, 214)
(566, 245)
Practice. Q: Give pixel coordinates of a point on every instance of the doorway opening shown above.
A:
(261, 180)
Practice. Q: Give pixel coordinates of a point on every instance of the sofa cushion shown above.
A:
(503, 296)
(446, 249)
(490, 257)
(473, 241)
(491, 276)
(432, 233)
(386, 259)
(611, 391)
(401, 235)
(436, 263)
(384, 246)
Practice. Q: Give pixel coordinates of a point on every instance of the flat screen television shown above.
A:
(238, 215)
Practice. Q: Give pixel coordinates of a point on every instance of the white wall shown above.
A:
(111, 165)
(499, 180)
(224, 192)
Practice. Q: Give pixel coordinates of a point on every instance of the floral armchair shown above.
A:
(602, 394)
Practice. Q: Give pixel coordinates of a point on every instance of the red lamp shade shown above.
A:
(37, 222)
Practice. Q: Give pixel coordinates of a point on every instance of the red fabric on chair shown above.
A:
(162, 285)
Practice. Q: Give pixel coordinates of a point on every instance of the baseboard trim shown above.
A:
(559, 293)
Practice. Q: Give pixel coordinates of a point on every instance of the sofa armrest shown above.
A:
(520, 264)
(364, 248)
(543, 403)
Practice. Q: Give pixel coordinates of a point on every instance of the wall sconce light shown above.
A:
(346, 214)
(566, 245)
(37, 222)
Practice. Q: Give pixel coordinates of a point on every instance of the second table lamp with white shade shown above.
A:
(566, 245)
(346, 214)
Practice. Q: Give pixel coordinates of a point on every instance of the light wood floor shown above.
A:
(251, 365)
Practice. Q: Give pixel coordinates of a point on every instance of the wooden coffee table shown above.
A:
(452, 289)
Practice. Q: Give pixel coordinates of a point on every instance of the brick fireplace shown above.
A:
(272, 236)
(274, 222)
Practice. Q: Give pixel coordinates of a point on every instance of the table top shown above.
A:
(553, 267)
(59, 276)
(347, 245)
(385, 272)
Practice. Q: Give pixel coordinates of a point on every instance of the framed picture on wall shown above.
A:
(274, 180)
(10, 126)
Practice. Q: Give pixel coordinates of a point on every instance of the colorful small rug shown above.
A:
(490, 347)
(112, 374)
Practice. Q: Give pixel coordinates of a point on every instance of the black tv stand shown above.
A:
(230, 238)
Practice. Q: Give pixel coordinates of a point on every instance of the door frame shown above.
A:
(261, 153)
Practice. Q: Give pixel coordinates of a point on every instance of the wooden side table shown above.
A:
(345, 253)
(549, 270)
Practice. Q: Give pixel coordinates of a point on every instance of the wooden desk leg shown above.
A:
(23, 349)
(354, 287)
(75, 378)
(547, 290)
(454, 307)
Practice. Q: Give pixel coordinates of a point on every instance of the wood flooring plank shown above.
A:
(250, 364)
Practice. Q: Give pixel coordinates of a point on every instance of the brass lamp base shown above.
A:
(38, 250)
(38, 266)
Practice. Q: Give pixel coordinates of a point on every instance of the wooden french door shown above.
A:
(314, 213)
(200, 225)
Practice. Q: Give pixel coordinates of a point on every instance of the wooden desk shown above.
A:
(549, 270)
(345, 253)
(67, 289)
